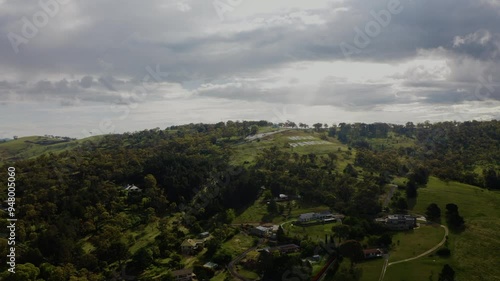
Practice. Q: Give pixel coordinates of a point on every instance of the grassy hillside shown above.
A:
(248, 150)
(31, 147)
(257, 213)
(474, 251)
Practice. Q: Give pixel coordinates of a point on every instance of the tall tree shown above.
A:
(150, 181)
(317, 126)
(353, 250)
(433, 212)
(411, 189)
(447, 273)
(341, 231)
(453, 218)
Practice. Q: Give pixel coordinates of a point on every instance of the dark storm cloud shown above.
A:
(90, 43)
(134, 35)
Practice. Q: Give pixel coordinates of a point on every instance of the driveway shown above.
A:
(427, 252)
(386, 257)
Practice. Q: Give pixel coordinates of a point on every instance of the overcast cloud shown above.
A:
(114, 66)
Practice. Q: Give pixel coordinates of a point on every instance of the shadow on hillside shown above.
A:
(456, 230)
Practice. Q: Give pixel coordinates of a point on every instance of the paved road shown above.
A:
(384, 268)
(289, 221)
(387, 263)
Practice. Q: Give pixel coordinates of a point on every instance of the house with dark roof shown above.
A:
(400, 222)
(286, 249)
(306, 217)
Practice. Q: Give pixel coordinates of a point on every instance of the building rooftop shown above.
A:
(181, 272)
(306, 216)
(262, 228)
(400, 217)
(371, 251)
(210, 264)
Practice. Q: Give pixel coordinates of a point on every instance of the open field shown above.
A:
(474, 251)
(246, 273)
(371, 269)
(412, 243)
(257, 213)
(417, 270)
(247, 151)
(144, 237)
(238, 244)
(34, 146)
(315, 232)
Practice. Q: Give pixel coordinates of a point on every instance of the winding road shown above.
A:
(387, 263)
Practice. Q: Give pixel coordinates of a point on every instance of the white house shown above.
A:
(325, 216)
(132, 188)
(261, 231)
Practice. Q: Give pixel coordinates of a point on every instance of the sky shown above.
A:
(85, 67)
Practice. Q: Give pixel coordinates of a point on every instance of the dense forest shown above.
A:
(74, 213)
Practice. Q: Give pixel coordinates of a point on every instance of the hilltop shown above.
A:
(34, 146)
(298, 141)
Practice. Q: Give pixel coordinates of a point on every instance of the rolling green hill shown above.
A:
(246, 151)
(475, 250)
(34, 146)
